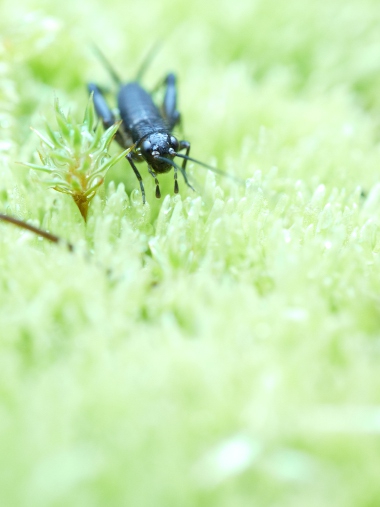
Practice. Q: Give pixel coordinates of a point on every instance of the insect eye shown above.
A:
(174, 143)
(146, 146)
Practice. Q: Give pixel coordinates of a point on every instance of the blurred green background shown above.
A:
(212, 349)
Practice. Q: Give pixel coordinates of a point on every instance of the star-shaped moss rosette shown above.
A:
(76, 155)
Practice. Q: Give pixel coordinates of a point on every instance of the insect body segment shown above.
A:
(146, 129)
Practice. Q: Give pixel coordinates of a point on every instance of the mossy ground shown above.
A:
(211, 349)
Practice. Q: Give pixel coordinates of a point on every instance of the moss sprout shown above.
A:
(75, 157)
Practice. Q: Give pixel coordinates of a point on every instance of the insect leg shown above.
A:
(169, 107)
(101, 107)
(185, 145)
(106, 115)
(152, 173)
(138, 176)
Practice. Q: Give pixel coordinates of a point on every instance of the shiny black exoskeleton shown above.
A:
(146, 128)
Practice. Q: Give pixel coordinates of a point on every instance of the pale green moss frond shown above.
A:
(213, 349)
(76, 155)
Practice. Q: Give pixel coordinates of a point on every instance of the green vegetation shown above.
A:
(218, 348)
(76, 156)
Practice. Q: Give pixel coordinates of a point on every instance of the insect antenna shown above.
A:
(211, 168)
(107, 64)
(47, 235)
(147, 61)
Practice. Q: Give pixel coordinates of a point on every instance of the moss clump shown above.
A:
(218, 348)
(76, 156)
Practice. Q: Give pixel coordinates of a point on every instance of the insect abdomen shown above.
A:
(138, 112)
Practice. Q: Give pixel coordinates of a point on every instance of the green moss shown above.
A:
(217, 348)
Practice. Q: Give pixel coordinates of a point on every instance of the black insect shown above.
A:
(147, 129)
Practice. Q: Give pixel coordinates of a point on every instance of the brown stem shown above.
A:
(82, 202)
(36, 230)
